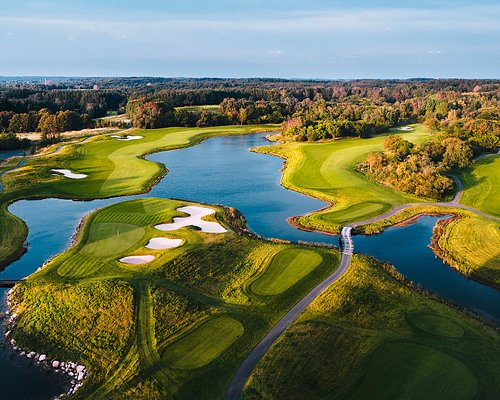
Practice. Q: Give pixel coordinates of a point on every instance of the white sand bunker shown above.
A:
(128, 137)
(160, 243)
(136, 260)
(68, 174)
(405, 128)
(195, 219)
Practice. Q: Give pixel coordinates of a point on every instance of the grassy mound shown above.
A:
(411, 371)
(286, 269)
(437, 326)
(203, 344)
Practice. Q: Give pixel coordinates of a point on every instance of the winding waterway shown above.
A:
(223, 171)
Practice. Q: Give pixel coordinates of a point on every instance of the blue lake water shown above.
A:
(223, 171)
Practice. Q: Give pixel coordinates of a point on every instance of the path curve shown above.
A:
(237, 384)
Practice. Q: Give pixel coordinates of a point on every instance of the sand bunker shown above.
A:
(160, 243)
(405, 128)
(137, 259)
(195, 219)
(68, 174)
(128, 137)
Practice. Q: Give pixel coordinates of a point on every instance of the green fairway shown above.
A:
(285, 269)
(114, 168)
(482, 185)
(111, 238)
(176, 326)
(369, 336)
(328, 171)
(437, 326)
(414, 372)
(203, 344)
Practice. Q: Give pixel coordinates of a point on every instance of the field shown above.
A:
(176, 327)
(482, 185)
(114, 168)
(328, 171)
(370, 336)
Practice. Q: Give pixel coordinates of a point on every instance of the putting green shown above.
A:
(408, 371)
(286, 269)
(438, 326)
(107, 239)
(203, 344)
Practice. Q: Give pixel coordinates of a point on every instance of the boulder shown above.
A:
(42, 357)
(31, 354)
(55, 364)
(80, 368)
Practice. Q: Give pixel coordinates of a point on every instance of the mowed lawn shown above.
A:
(285, 270)
(482, 185)
(204, 343)
(473, 243)
(113, 167)
(369, 336)
(175, 327)
(328, 171)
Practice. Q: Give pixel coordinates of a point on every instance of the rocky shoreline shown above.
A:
(76, 373)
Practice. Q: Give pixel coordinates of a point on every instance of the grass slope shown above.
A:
(371, 337)
(173, 328)
(482, 185)
(327, 171)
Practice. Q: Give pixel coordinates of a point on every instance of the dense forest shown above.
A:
(307, 110)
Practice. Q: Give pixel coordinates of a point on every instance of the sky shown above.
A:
(251, 38)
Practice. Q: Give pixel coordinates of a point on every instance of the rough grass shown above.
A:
(328, 171)
(360, 340)
(285, 269)
(482, 185)
(204, 343)
(176, 327)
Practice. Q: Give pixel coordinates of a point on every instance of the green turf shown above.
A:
(203, 344)
(114, 168)
(285, 269)
(408, 371)
(188, 316)
(328, 171)
(111, 238)
(437, 326)
(482, 185)
(369, 336)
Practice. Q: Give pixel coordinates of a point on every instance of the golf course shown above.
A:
(186, 316)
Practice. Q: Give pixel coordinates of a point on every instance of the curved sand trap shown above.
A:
(68, 174)
(128, 137)
(137, 259)
(195, 219)
(405, 128)
(160, 243)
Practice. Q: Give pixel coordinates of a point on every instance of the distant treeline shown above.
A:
(309, 110)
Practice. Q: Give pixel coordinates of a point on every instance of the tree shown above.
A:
(397, 146)
(457, 153)
(48, 127)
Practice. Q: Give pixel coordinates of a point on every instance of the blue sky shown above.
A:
(251, 38)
